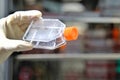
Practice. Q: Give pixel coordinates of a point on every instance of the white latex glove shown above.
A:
(12, 29)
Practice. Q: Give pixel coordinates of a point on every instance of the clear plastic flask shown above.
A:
(47, 33)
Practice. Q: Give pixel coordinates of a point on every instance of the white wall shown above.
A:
(2, 8)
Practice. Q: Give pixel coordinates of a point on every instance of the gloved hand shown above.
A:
(12, 29)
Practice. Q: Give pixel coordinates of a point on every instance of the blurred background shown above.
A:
(98, 22)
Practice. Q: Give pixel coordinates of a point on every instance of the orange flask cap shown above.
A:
(71, 33)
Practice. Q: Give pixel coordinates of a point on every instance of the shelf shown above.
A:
(96, 56)
(87, 18)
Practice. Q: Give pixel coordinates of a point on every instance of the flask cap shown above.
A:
(71, 33)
